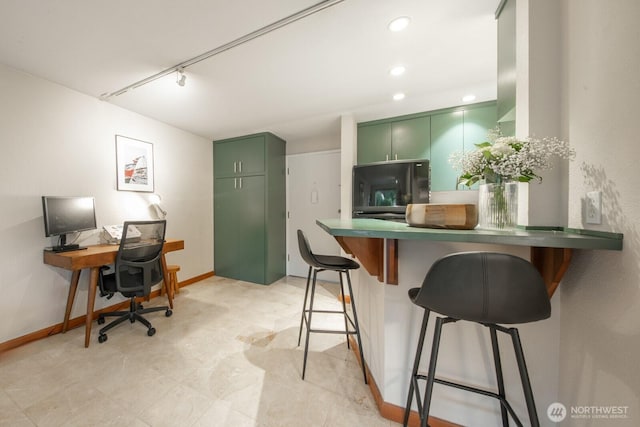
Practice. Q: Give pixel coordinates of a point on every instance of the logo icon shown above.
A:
(556, 412)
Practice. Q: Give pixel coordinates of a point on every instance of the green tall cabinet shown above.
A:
(250, 208)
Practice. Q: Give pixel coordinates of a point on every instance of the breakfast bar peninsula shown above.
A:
(395, 257)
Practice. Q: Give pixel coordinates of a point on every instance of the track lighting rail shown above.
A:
(237, 42)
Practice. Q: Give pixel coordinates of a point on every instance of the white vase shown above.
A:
(498, 206)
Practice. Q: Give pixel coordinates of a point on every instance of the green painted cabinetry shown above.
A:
(447, 137)
(394, 140)
(456, 131)
(240, 158)
(433, 135)
(250, 208)
(374, 143)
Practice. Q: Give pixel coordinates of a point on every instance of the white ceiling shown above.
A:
(295, 81)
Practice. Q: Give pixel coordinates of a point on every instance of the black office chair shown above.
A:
(138, 267)
(342, 265)
(486, 288)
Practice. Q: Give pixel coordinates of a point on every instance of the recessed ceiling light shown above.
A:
(468, 98)
(400, 23)
(398, 70)
(398, 96)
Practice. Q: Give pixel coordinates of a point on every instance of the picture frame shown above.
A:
(134, 165)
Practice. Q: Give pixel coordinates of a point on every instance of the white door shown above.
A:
(313, 192)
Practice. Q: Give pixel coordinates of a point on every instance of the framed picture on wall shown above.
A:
(134, 164)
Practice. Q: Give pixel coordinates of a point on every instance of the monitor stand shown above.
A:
(67, 248)
(63, 247)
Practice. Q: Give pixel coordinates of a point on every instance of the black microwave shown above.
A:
(383, 190)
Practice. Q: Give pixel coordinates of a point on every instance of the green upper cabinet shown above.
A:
(240, 156)
(433, 135)
(447, 136)
(477, 124)
(374, 143)
(456, 131)
(394, 140)
(411, 138)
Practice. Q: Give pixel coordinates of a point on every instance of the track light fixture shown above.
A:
(181, 77)
(179, 68)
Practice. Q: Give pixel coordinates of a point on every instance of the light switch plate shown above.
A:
(594, 207)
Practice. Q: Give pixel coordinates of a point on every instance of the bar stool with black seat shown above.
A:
(490, 289)
(341, 265)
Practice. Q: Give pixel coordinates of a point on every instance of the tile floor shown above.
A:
(227, 357)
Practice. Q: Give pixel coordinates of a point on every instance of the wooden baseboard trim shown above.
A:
(347, 299)
(390, 411)
(80, 321)
(196, 279)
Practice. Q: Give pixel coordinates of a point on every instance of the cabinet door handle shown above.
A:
(240, 166)
(235, 167)
(386, 157)
(241, 183)
(235, 183)
(396, 157)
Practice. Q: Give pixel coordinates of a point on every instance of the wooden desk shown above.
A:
(93, 258)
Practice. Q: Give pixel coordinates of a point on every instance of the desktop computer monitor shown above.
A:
(66, 215)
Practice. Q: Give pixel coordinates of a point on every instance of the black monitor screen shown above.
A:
(63, 215)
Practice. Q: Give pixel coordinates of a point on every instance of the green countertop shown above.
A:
(551, 237)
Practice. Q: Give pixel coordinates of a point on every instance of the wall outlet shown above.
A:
(594, 207)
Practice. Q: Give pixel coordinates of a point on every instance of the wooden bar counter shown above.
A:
(393, 253)
(551, 247)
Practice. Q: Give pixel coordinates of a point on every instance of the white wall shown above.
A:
(538, 95)
(55, 141)
(600, 345)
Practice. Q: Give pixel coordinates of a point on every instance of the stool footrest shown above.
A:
(423, 407)
(332, 331)
(477, 390)
(306, 319)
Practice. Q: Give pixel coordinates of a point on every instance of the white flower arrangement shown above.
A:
(507, 158)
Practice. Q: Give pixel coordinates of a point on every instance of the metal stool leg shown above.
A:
(304, 305)
(344, 308)
(414, 372)
(499, 377)
(524, 377)
(306, 344)
(357, 326)
(428, 393)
